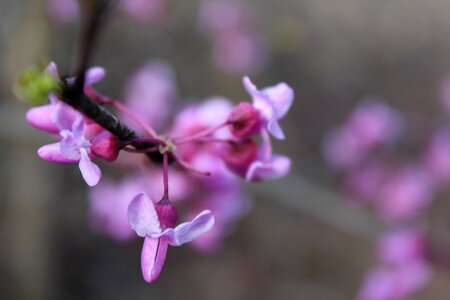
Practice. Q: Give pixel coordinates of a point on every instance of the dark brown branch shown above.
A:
(73, 95)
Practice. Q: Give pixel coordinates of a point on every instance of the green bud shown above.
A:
(33, 86)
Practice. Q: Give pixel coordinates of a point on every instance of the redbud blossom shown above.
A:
(244, 120)
(151, 222)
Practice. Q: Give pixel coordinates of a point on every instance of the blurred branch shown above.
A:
(308, 198)
(94, 17)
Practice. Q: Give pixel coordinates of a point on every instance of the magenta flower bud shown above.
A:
(244, 120)
(240, 155)
(106, 146)
(167, 214)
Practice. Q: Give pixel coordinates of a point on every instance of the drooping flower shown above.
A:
(272, 102)
(268, 166)
(155, 223)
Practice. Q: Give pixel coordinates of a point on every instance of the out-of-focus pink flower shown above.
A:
(363, 182)
(341, 149)
(145, 10)
(229, 205)
(404, 194)
(245, 120)
(150, 93)
(219, 17)
(401, 247)
(373, 123)
(272, 102)
(155, 223)
(437, 155)
(239, 52)
(388, 283)
(63, 11)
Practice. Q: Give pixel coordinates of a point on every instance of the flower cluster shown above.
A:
(211, 146)
(368, 151)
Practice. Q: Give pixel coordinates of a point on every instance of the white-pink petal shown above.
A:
(90, 171)
(52, 152)
(280, 97)
(142, 216)
(152, 258)
(39, 117)
(275, 129)
(277, 167)
(189, 231)
(94, 75)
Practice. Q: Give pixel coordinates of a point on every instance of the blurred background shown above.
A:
(302, 239)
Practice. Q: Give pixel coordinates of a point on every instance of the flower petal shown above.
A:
(189, 231)
(90, 171)
(52, 69)
(281, 97)
(275, 129)
(93, 75)
(52, 152)
(39, 117)
(64, 116)
(278, 166)
(153, 257)
(142, 216)
(69, 146)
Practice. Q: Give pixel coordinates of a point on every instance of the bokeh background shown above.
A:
(302, 240)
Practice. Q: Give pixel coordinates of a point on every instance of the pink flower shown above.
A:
(73, 147)
(150, 93)
(156, 223)
(387, 283)
(272, 102)
(404, 194)
(109, 200)
(63, 11)
(437, 155)
(363, 182)
(341, 149)
(219, 17)
(373, 123)
(268, 166)
(402, 247)
(145, 10)
(239, 52)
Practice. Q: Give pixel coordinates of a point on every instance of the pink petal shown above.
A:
(94, 75)
(69, 147)
(281, 97)
(189, 231)
(52, 69)
(39, 117)
(64, 116)
(275, 129)
(52, 152)
(142, 216)
(90, 171)
(153, 257)
(277, 167)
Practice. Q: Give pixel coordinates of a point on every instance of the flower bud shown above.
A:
(238, 156)
(106, 146)
(244, 120)
(167, 214)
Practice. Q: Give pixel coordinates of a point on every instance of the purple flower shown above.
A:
(155, 223)
(268, 166)
(109, 200)
(239, 52)
(404, 194)
(388, 283)
(145, 10)
(437, 155)
(272, 102)
(402, 247)
(150, 93)
(219, 17)
(73, 147)
(63, 11)
(341, 149)
(373, 123)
